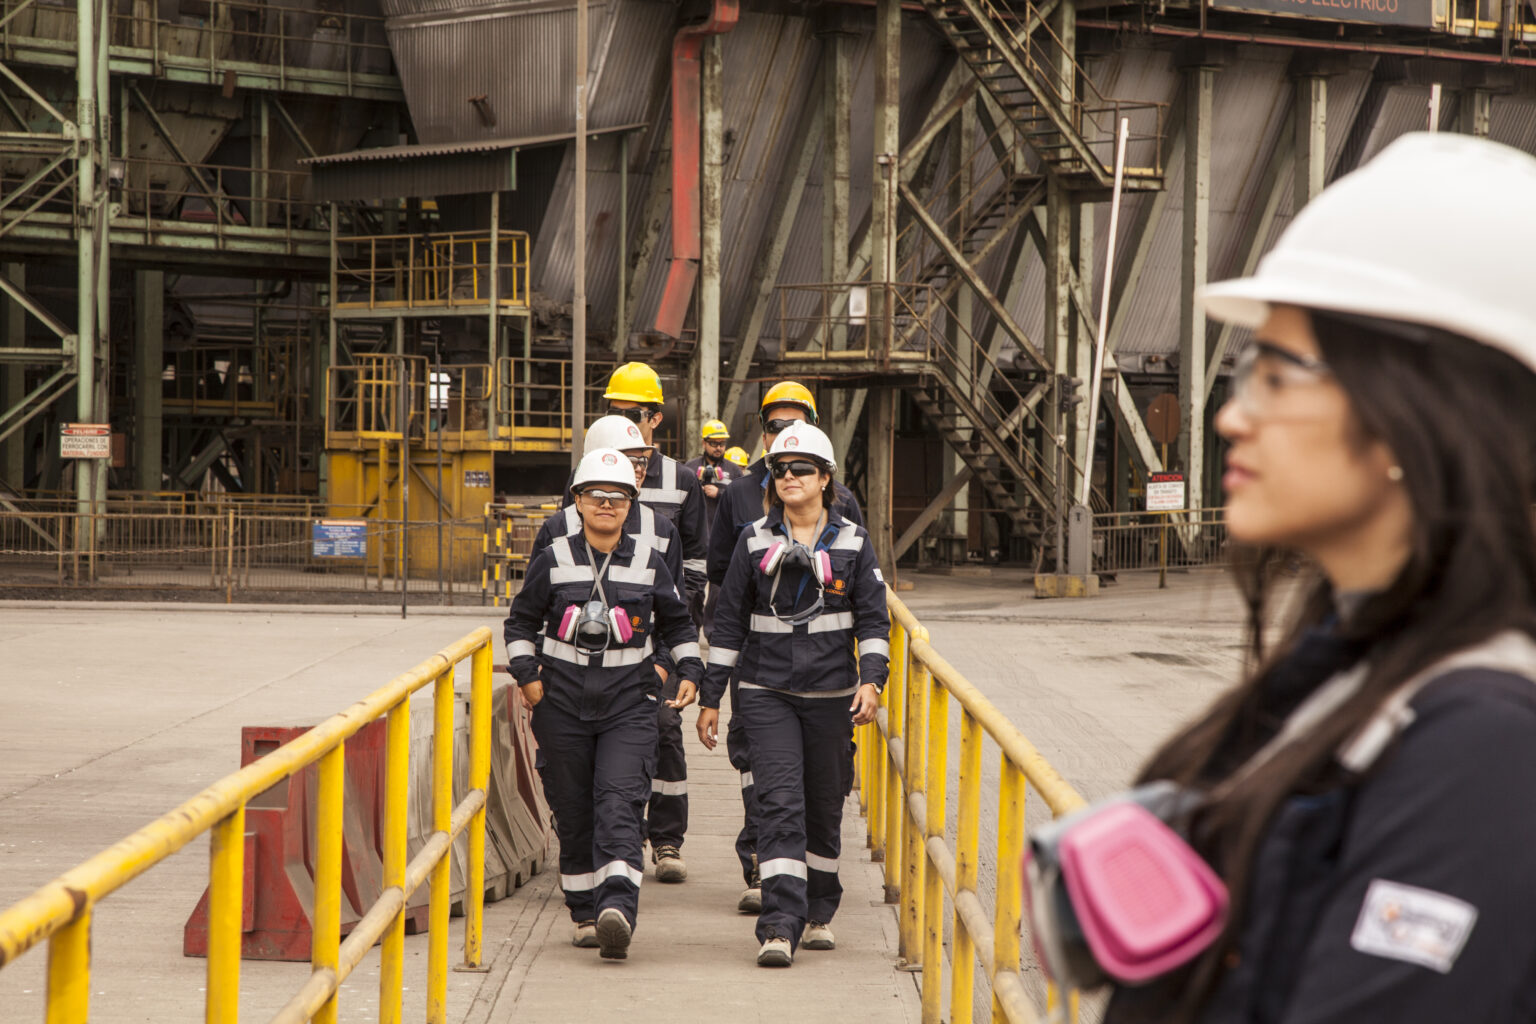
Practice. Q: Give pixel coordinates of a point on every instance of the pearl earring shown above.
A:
(1395, 474)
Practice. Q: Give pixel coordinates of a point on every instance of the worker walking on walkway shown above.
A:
(714, 473)
(803, 587)
(784, 404)
(671, 491)
(581, 636)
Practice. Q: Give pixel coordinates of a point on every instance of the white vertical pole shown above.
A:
(1098, 345)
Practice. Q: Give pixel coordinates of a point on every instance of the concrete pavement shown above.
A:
(113, 714)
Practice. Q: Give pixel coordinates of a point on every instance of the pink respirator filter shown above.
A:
(568, 622)
(1147, 903)
(618, 621)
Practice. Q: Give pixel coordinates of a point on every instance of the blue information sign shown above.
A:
(340, 538)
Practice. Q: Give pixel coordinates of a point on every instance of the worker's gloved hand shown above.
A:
(686, 693)
(709, 726)
(531, 693)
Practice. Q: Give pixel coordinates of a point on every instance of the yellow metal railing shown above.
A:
(904, 762)
(61, 911)
(432, 271)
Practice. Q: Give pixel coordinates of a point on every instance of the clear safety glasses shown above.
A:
(1266, 376)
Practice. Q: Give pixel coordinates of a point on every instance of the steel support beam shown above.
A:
(706, 363)
(770, 258)
(836, 165)
(1255, 237)
(1476, 113)
(149, 363)
(881, 406)
(13, 377)
(1311, 133)
(959, 319)
(1199, 88)
(654, 213)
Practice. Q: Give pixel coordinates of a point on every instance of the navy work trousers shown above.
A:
(739, 750)
(667, 816)
(597, 776)
(802, 766)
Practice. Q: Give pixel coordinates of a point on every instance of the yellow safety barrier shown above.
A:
(904, 764)
(61, 910)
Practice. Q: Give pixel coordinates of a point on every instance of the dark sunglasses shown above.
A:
(782, 469)
(636, 414)
(778, 426)
(601, 497)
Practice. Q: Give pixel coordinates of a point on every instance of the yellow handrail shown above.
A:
(904, 764)
(61, 910)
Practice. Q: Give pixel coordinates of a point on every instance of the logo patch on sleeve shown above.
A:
(879, 578)
(1418, 926)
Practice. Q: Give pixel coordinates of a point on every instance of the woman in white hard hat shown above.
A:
(1366, 793)
(581, 637)
(802, 589)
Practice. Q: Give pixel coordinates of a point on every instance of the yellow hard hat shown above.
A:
(787, 392)
(714, 430)
(737, 455)
(635, 382)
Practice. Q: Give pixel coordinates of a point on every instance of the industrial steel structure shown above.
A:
(330, 247)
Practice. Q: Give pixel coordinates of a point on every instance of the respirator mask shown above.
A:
(590, 626)
(795, 555)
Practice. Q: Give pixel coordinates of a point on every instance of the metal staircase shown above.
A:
(1027, 70)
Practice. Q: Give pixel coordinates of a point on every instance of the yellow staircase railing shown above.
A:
(60, 912)
(904, 764)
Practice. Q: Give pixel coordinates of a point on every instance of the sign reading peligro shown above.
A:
(1418, 13)
(85, 440)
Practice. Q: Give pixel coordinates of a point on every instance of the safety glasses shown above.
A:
(782, 469)
(598, 496)
(640, 461)
(636, 414)
(1267, 377)
(778, 426)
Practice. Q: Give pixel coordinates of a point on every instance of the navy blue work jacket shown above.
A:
(815, 656)
(595, 687)
(744, 504)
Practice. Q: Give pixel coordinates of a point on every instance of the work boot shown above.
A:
(775, 953)
(584, 935)
(669, 864)
(817, 936)
(751, 901)
(613, 932)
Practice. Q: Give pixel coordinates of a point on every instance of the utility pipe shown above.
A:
(687, 250)
(1097, 380)
(1297, 42)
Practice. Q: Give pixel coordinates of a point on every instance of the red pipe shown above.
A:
(1396, 49)
(687, 47)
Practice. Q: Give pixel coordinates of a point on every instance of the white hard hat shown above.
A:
(613, 432)
(801, 438)
(604, 466)
(1436, 230)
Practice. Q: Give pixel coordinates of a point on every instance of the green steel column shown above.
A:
(85, 229)
(706, 404)
(13, 377)
(881, 405)
(1199, 89)
(958, 326)
(836, 166)
(148, 364)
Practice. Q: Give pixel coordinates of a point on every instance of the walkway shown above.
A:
(114, 713)
(692, 958)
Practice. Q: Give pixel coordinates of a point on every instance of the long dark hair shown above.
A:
(1460, 417)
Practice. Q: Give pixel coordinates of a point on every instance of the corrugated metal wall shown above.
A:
(518, 55)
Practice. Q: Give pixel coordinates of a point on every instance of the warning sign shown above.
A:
(339, 538)
(1165, 492)
(85, 440)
